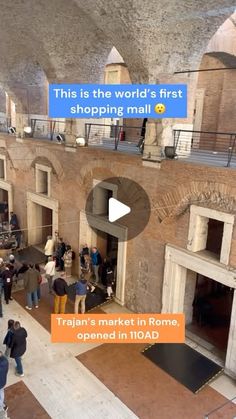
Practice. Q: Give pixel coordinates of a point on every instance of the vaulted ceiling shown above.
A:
(70, 40)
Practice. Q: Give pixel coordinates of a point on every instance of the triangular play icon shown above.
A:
(117, 210)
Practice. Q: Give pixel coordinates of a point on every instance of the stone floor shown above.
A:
(22, 403)
(146, 389)
(62, 386)
(88, 381)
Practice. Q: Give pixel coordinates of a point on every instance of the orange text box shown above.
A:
(118, 328)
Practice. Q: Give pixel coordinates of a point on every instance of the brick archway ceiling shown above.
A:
(70, 40)
(228, 60)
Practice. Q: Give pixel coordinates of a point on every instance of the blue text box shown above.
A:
(117, 101)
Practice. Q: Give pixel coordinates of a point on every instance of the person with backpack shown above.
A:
(81, 289)
(8, 337)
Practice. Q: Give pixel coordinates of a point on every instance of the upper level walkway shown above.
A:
(200, 147)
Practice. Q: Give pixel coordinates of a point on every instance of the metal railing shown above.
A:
(47, 129)
(210, 414)
(113, 136)
(206, 146)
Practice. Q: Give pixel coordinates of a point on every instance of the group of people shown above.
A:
(97, 270)
(61, 252)
(15, 341)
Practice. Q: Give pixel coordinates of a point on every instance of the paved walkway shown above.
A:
(105, 381)
(63, 386)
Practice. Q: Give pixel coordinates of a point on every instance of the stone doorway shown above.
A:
(211, 308)
(179, 289)
(90, 226)
(42, 218)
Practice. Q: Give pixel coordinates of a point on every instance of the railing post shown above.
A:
(117, 136)
(89, 129)
(231, 149)
(33, 125)
(176, 138)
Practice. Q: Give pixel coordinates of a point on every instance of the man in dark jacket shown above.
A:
(81, 289)
(60, 289)
(18, 347)
(60, 253)
(4, 365)
(7, 276)
(31, 281)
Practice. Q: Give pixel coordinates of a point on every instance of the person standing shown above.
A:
(84, 252)
(18, 347)
(60, 253)
(49, 247)
(60, 289)
(31, 281)
(4, 366)
(104, 267)
(50, 271)
(15, 228)
(96, 262)
(37, 268)
(8, 337)
(109, 281)
(67, 258)
(7, 276)
(81, 289)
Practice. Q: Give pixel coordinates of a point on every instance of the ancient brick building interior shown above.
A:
(57, 175)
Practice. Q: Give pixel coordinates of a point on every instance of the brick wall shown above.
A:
(220, 96)
(72, 178)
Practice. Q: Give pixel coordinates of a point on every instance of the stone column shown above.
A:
(70, 132)
(152, 146)
(22, 121)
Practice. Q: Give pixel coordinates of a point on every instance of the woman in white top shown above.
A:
(49, 247)
(50, 270)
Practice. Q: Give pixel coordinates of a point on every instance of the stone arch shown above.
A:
(45, 156)
(224, 38)
(4, 152)
(97, 169)
(215, 100)
(218, 196)
(228, 60)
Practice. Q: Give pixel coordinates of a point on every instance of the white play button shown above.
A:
(117, 210)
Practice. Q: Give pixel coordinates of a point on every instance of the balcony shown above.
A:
(121, 138)
(205, 147)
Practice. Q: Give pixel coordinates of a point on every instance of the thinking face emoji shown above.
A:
(160, 108)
